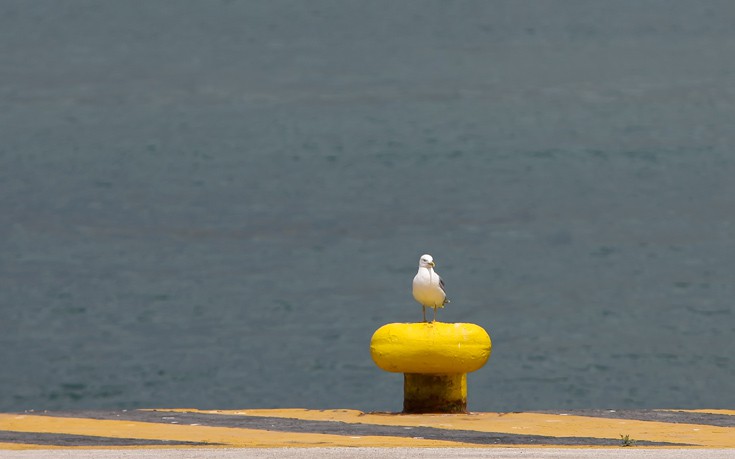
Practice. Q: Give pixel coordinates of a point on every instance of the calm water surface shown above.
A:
(215, 205)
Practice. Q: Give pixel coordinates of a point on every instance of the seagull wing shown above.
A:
(441, 286)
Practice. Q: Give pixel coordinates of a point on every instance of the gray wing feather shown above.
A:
(441, 286)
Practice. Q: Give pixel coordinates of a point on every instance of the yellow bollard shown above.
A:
(435, 358)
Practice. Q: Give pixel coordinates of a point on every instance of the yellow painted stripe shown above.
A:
(227, 436)
(36, 446)
(523, 424)
(6, 446)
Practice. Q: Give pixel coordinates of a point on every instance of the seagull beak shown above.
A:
(432, 264)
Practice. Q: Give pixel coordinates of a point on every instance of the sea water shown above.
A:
(215, 205)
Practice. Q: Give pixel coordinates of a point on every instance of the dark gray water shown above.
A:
(215, 204)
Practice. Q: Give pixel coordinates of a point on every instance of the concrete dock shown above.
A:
(264, 433)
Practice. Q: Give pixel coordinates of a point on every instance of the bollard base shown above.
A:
(434, 393)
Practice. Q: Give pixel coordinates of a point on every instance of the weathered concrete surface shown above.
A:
(192, 430)
(376, 453)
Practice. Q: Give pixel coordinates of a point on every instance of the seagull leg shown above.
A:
(423, 308)
(434, 314)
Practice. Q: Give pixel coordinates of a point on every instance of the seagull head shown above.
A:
(426, 261)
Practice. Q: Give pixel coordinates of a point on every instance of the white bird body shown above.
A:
(428, 287)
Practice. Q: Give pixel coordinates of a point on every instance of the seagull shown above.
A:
(428, 287)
